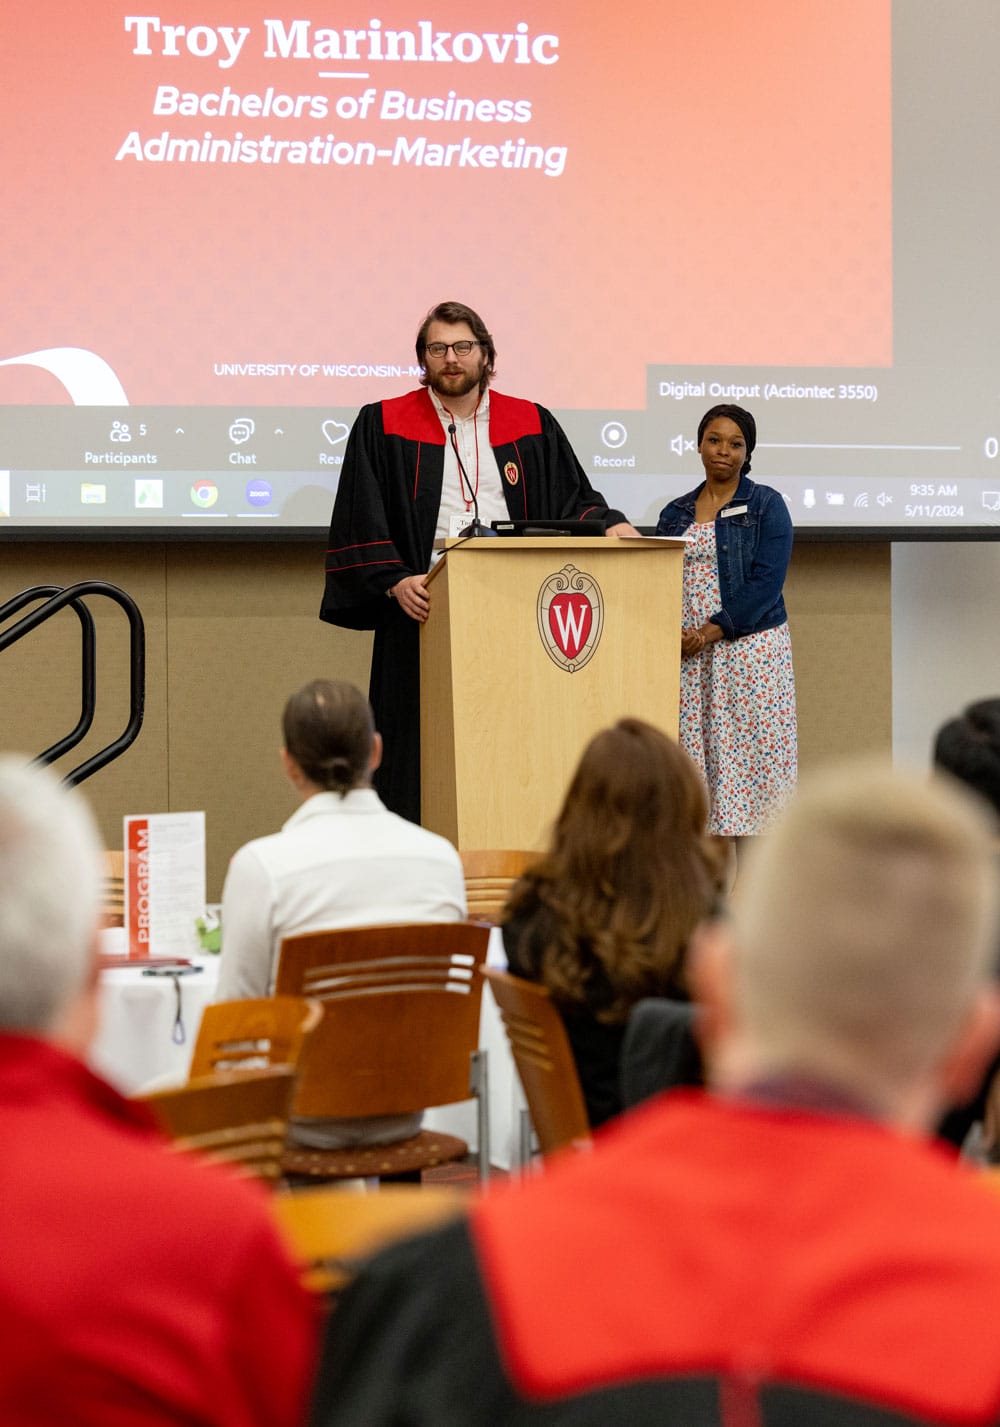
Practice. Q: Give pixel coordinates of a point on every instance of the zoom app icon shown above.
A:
(259, 493)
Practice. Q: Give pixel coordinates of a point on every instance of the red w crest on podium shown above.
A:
(570, 617)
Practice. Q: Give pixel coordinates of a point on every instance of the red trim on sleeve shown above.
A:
(358, 565)
(365, 545)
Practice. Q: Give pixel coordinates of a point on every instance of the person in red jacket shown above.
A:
(137, 1286)
(787, 1248)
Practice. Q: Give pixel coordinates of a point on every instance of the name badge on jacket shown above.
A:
(733, 510)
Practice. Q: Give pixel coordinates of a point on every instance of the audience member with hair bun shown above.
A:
(737, 698)
(341, 860)
(603, 919)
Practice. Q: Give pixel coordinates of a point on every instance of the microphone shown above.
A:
(476, 526)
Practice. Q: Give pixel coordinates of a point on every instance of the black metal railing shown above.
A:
(57, 598)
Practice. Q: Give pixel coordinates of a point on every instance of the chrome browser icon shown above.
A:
(204, 494)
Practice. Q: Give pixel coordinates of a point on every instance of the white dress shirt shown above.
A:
(472, 436)
(337, 862)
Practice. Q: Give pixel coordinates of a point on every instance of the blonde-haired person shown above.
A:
(604, 918)
(894, 881)
(787, 1247)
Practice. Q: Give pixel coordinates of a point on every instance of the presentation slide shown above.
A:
(226, 220)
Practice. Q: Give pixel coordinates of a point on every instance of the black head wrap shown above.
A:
(743, 420)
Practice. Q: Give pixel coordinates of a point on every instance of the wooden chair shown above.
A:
(238, 1117)
(272, 1030)
(113, 889)
(544, 1061)
(489, 877)
(330, 1231)
(400, 1032)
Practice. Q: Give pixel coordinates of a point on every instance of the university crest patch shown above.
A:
(570, 614)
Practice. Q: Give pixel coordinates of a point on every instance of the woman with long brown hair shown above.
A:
(604, 918)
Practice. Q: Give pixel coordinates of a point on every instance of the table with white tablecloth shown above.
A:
(148, 1026)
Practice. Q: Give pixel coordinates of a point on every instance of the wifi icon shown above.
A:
(861, 501)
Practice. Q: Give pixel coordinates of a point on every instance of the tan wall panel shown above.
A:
(839, 600)
(244, 633)
(232, 629)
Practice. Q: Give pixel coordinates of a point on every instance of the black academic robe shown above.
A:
(384, 519)
(713, 1261)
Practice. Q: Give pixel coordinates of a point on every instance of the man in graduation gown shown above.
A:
(420, 467)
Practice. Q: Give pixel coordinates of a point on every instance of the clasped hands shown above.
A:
(693, 641)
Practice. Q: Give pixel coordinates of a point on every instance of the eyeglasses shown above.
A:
(441, 349)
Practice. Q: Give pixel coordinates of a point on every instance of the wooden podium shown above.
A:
(532, 646)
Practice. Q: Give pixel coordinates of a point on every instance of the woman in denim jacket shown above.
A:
(737, 699)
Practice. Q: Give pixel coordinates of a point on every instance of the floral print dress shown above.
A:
(737, 705)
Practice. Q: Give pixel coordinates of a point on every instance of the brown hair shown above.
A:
(451, 313)
(627, 878)
(328, 729)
